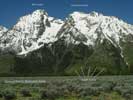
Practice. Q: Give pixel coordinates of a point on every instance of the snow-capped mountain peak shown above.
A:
(31, 23)
(91, 26)
(31, 32)
(2, 30)
(36, 29)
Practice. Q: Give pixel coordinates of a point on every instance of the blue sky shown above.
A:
(11, 10)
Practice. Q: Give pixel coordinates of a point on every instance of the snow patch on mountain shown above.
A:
(34, 30)
(31, 32)
(91, 26)
(2, 30)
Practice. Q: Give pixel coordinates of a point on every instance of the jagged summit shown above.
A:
(2, 30)
(44, 44)
(31, 32)
(40, 12)
(81, 14)
(87, 28)
(34, 30)
(94, 13)
(30, 22)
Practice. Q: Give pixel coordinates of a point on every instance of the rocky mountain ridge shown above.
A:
(92, 39)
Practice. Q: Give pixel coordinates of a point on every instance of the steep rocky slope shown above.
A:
(43, 45)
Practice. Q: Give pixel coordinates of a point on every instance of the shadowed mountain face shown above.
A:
(42, 45)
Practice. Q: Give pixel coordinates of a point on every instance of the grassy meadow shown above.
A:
(67, 88)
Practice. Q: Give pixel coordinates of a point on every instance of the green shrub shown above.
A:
(50, 94)
(33, 98)
(1, 94)
(108, 86)
(25, 93)
(9, 95)
(87, 98)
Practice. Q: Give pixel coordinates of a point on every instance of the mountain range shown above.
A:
(42, 45)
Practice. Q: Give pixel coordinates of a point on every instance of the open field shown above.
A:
(67, 88)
